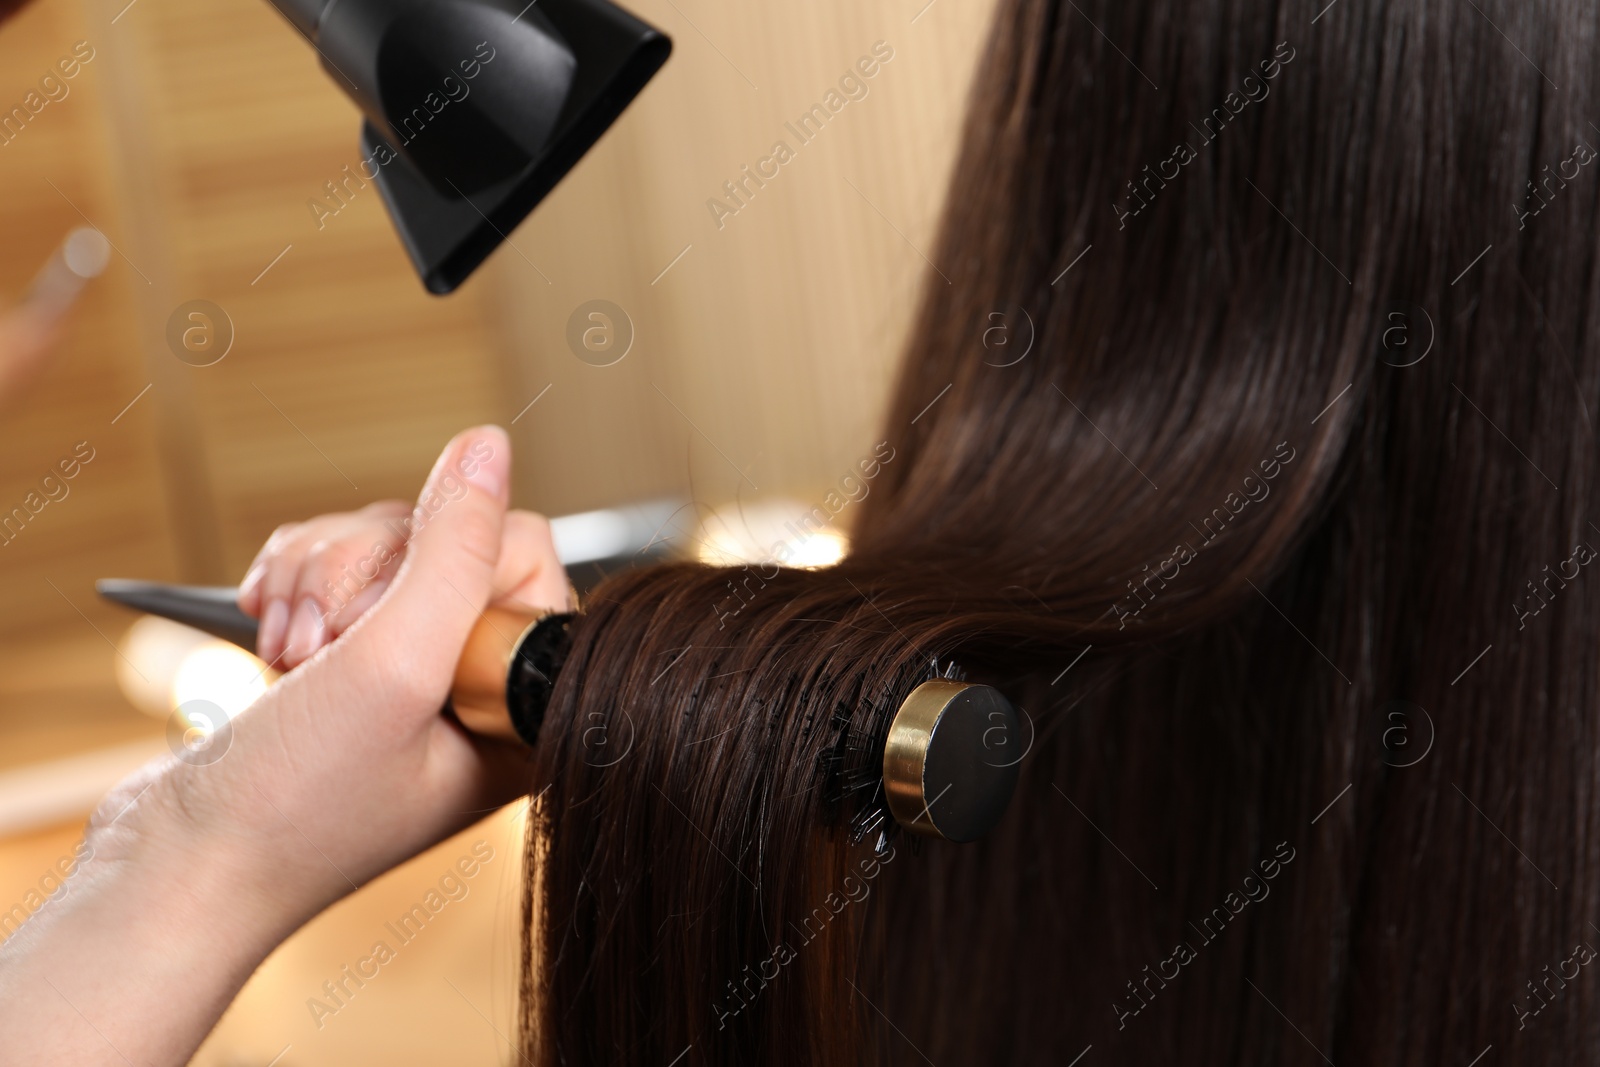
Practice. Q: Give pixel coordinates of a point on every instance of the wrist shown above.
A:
(185, 876)
(142, 948)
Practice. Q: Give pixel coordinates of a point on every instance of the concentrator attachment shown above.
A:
(475, 109)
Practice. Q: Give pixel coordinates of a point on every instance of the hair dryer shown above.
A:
(475, 109)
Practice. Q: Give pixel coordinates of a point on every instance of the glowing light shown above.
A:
(224, 674)
(163, 664)
(820, 550)
(782, 531)
(720, 548)
(86, 252)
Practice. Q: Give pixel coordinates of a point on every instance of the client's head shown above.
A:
(1278, 533)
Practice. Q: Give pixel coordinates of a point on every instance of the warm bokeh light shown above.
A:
(162, 665)
(224, 674)
(821, 550)
(752, 533)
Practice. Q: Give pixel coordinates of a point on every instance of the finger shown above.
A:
(250, 589)
(270, 595)
(336, 583)
(529, 573)
(448, 573)
(281, 557)
(387, 538)
(319, 559)
(387, 509)
(308, 629)
(272, 631)
(341, 620)
(249, 599)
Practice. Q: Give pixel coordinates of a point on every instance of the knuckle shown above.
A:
(331, 552)
(530, 526)
(329, 561)
(384, 509)
(479, 537)
(279, 539)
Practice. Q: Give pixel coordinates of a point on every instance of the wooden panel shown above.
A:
(57, 690)
(345, 377)
(762, 357)
(196, 138)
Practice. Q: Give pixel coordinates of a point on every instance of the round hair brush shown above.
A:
(949, 759)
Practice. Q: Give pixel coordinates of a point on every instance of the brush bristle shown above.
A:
(849, 771)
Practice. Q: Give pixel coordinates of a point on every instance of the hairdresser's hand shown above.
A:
(313, 579)
(343, 769)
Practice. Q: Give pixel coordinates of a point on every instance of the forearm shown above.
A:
(137, 957)
(196, 871)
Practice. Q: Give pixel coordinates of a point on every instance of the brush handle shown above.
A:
(502, 681)
(508, 670)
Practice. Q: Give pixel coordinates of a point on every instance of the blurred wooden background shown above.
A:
(194, 140)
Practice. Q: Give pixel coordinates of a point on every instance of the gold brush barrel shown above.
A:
(483, 675)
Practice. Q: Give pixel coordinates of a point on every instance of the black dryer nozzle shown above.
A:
(475, 109)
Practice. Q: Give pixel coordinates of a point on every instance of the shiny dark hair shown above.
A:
(1278, 533)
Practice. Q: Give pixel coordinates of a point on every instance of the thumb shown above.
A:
(454, 536)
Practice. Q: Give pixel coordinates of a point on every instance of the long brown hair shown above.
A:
(1278, 533)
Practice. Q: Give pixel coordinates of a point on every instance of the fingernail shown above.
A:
(485, 460)
(274, 620)
(305, 632)
(247, 586)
